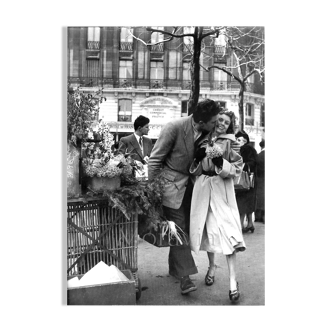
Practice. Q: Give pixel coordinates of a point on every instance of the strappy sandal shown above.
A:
(209, 280)
(235, 294)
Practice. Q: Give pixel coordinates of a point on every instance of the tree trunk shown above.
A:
(241, 113)
(194, 71)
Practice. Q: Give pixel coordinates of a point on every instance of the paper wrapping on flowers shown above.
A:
(213, 151)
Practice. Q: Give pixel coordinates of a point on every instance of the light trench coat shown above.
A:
(214, 200)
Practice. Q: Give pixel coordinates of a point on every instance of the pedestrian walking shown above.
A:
(260, 185)
(215, 224)
(173, 154)
(246, 200)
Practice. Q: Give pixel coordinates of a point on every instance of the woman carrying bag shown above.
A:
(246, 199)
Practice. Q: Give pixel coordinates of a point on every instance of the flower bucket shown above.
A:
(73, 156)
(103, 183)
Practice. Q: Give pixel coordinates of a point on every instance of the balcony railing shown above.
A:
(124, 83)
(93, 45)
(126, 46)
(124, 118)
(157, 48)
(219, 49)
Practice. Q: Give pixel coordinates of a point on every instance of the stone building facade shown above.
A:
(153, 81)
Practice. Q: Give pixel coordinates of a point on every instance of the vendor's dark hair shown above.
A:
(205, 110)
(243, 134)
(262, 143)
(231, 129)
(141, 121)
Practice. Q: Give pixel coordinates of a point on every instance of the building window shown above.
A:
(124, 110)
(173, 66)
(249, 117)
(157, 36)
(220, 79)
(126, 69)
(220, 44)
(126, 39)
(186, 71)
(126, 35)
(156, 70)
(187, 39)
(93, 38)
(184, 108)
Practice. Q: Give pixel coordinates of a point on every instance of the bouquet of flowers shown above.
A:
(213, 150)
(100, 158)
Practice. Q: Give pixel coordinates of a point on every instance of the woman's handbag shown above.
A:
(242, 181)
(251, 178)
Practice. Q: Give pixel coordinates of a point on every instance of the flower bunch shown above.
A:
(96, 169)
(213, 150)
(99, 157)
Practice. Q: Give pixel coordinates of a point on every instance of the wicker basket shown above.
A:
(97, 232)
(73, 184)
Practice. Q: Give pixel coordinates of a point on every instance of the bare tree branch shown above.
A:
(172, 34)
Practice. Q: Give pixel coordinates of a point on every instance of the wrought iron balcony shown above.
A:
(219, 49)
(93, 45)
(124, 118)
(157, 48)
(163, 84)
(126, 46)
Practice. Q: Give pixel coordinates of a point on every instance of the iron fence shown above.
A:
(161, 84)
(93, 45)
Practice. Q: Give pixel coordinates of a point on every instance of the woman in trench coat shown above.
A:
(214, 218)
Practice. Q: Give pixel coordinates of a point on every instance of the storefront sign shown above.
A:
(159, 109)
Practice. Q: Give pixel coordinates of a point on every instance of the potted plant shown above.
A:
(82, 110)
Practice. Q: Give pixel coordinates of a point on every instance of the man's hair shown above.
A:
(230, 129)
(141, 121)
(205, 110)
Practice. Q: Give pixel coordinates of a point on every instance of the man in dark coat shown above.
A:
(260, 185)
(136, 144)
(173, 154)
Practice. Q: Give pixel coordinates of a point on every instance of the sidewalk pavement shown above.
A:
(159, 288)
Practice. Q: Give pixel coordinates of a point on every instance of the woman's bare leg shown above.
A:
(212, 266)
(231, 262)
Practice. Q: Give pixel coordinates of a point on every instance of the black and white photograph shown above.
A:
(165, 165)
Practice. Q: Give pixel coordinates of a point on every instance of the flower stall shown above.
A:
(108, 203)
(96, 230)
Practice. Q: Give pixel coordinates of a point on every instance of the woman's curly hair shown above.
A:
(231, 128)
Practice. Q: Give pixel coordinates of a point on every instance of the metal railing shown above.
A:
(126, 46)
(157, 48)
(219, 49)
(124, 83)
(93, 45)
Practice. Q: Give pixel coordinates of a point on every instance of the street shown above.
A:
(159, 288)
